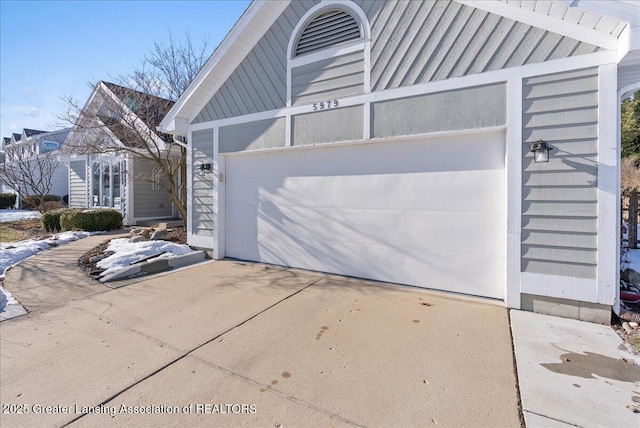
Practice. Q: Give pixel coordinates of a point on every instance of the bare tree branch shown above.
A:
(123, 120)
(30, 175)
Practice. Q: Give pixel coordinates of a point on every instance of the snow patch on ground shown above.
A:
(15, 215)
(128, 253)
(13, 253)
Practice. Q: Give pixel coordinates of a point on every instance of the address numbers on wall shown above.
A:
(324, 105)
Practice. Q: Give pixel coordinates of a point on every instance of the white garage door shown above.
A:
(429, 213)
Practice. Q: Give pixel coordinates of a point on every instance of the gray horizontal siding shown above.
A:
(202, 196)
(423, 41)
(328, 79)
(340, 124)
(148, 202)
(259, 82)
(559, 198)
(484, 106)
(263, 134)
(78, 184)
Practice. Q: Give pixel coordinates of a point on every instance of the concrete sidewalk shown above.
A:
(574, 373)
(228, 343)
(52, 278)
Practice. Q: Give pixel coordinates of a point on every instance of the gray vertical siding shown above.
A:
(559, 199)
(423, 41)
(259, 82)
(411, 42)
(202, 191)
(328, 79)
(263, 134)
(148, 202)
(78, 184)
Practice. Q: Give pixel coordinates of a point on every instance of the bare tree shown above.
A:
(31, 175)
(130, 110)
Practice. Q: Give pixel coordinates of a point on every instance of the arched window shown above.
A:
(328, 28)
(328, 55)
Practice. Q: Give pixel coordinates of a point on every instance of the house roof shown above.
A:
(6, 139)
(32, 132)
(596, 27)
(17, 137)
(149, 108)
(146, 108)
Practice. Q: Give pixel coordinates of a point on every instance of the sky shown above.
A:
(51, 50)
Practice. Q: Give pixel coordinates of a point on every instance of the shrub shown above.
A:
(7, 200)
(65, 199)
(52, 205)
(32, 202)
(51, 219)
(91, 220)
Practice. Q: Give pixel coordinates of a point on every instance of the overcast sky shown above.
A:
(52, 49)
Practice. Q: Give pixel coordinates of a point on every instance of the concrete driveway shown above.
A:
(228, 344)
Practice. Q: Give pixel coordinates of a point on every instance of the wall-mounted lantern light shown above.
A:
(204, 167)
(540, 151)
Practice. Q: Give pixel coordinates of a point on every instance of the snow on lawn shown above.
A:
(13, 253)
(15, 215)
(127, 253)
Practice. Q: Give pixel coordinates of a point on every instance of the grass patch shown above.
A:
(12, 231)
(634, 341)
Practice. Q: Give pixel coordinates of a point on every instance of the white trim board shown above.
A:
(545, 22)
(190, 187)
(513, 170)
(608, 186)
(497, 76)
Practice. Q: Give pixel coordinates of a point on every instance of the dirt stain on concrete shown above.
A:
(588, 364)
(416, 321)
(286, 375)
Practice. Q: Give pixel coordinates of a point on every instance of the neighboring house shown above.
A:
(391, 141)
(104, 170)
(31, 143)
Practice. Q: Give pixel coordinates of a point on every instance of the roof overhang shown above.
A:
(244, 35)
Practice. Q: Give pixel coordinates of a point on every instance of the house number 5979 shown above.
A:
(322, 105)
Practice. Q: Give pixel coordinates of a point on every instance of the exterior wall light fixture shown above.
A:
(204, 167)
(540, 151)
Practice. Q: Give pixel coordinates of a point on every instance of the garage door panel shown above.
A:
(242, 218)
(240, 191)
(424, 268)
(430, 192)
(424, 213)
(405, 157)
(412, 229)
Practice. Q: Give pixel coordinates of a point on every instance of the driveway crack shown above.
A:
(192, 350)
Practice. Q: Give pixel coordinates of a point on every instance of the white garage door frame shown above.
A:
(220, 163)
